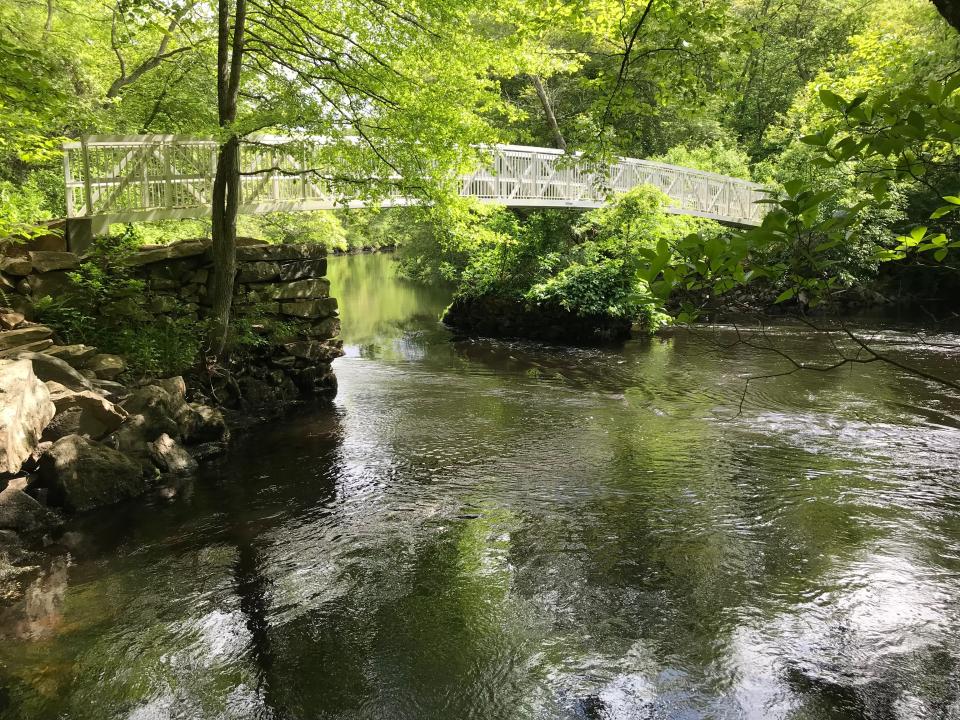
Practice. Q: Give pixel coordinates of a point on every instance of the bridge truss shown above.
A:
(113, 179)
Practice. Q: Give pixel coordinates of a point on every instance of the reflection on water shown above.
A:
(485, 529)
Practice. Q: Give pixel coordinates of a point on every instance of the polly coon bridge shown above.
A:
(115, 179)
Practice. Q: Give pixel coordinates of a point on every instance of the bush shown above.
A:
(582, 263)
(107, 307)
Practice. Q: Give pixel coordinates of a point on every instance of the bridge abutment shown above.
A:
(81, 232)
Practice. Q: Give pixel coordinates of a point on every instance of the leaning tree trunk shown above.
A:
(226, 190)
(558, 140)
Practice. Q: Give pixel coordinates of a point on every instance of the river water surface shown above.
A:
(495, 530)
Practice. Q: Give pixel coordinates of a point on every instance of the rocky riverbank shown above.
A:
(78, 431)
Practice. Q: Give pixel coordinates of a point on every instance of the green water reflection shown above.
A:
(488, 529)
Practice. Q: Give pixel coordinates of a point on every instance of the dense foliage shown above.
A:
(846, 110)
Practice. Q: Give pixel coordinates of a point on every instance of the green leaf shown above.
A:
(832, 100)
(941, 211)
(794, 187)
(940, 254)
(785, 295)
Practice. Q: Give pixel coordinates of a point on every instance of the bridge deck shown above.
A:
(154, 177)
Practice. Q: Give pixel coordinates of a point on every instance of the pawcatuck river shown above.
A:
(505, 530)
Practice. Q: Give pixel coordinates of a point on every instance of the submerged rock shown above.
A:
(170, 457)
(82, 474)
(22, 513)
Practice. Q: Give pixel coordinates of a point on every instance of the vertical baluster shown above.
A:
(87, 189)
(68, 180)
(167, 175)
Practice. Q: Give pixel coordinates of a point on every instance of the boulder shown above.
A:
(279, 253)
(314, 350)
(206, 425)
(39, 346)
(302, 289)
(73, 355)
(55, 240)
(82, 474)
(22, 513)
(97, 415)
(163, 411)
(9, 319)
(54, 283)
(160, 304)
(63, 424)
(106, 367)
(25, 410)
(176, 385)
(18, 266)
(132, 440)
(46, 261)
(12, 339)
(113, 391)
(47, 367)
(206, 451)
(325, 329)
(310, 308)
(170, 457)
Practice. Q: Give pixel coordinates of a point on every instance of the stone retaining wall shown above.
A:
(276, 285)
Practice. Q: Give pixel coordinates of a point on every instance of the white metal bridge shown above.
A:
(113, 179)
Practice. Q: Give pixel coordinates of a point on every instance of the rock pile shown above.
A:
(73, 438)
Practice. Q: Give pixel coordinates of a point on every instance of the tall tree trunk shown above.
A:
(226, 189)
(950, 10)
(558, 140)
(226, 183)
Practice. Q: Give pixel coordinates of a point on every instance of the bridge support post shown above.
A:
(80, 233)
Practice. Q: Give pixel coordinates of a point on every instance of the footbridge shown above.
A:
(116, 179)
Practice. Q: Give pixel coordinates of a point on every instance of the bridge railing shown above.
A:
(152, 177)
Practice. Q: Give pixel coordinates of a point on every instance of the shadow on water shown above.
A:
(489, 529)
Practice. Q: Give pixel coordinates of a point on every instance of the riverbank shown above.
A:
(84, 429)
(508, 317)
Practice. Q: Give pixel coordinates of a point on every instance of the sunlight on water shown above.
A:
(492, 529)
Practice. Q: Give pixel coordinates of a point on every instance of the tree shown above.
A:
(394, 92)
(231, 42)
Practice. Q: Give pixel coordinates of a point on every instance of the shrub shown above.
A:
(105, 306)
(583, 263)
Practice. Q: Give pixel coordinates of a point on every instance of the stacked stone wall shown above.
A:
(280, 290)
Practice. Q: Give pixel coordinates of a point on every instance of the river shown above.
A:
(503, 530)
